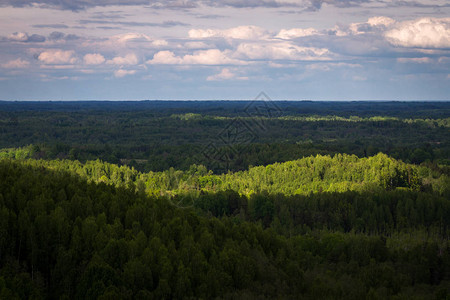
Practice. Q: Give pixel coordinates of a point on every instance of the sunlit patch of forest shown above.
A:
(327, 201)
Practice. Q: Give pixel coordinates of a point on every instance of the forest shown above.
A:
(217, 199)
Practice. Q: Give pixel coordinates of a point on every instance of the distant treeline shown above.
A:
(402, 109)
(154, 136)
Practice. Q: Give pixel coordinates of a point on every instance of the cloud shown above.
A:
(54, 26)
(16, 64)
(417, 60)
(167, 4)
(133, 37)
(70, 5)
(129, 59)
(337, 31)
(225, 74)
(165, 24)
(130, 37)
(166, 58)
(122, 73)
(195, 45)
(18, 37)
(240, 32)
(287, 34)
(211, 16)
(328, 66)
(308, 5)
(202, 57)
(25, 38)
(210, 57)
(281, 51)
(159, 43)
(56, 35)
(93, 59)
(421, 33)
(132, 42)
(374, 24)
(54, 57)
(380, 21)
(377, 25)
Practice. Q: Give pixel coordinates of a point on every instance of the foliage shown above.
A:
(154, 135)
(319, 200)
(63, 237)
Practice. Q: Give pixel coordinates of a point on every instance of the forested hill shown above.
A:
(63, 237)
(312, 174)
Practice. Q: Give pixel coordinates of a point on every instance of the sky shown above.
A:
(224, 50)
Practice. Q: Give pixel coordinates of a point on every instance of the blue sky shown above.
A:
(194, 49)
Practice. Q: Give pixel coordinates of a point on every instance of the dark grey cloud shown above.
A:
(54, 26)
(249, 3)
(165, 24)
(301, 5)
(171, 4)
(213, 17)
(416, 4)
(109, 15)
(109, 27)
(56, 35)
(71, 5)
(36, 38)
(77, 5)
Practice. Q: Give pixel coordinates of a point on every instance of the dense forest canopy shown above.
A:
(317, 200)
(157, 135)
(64, 236)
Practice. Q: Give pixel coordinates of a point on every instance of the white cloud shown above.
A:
(93, 59)
(159, 43)
(131, 36)
(380, 21)
(165, 58)
(122, 73)
(223, 75)
(418, 60)
(281, 51)
(16, 64)
(202, 57)
(209, 57)
(18, 37)
(287, 34)
(374, 24)
(421, 33)
(337, 31)
(240, 32)
(125, 41)
(129, 59)
(57, 57)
